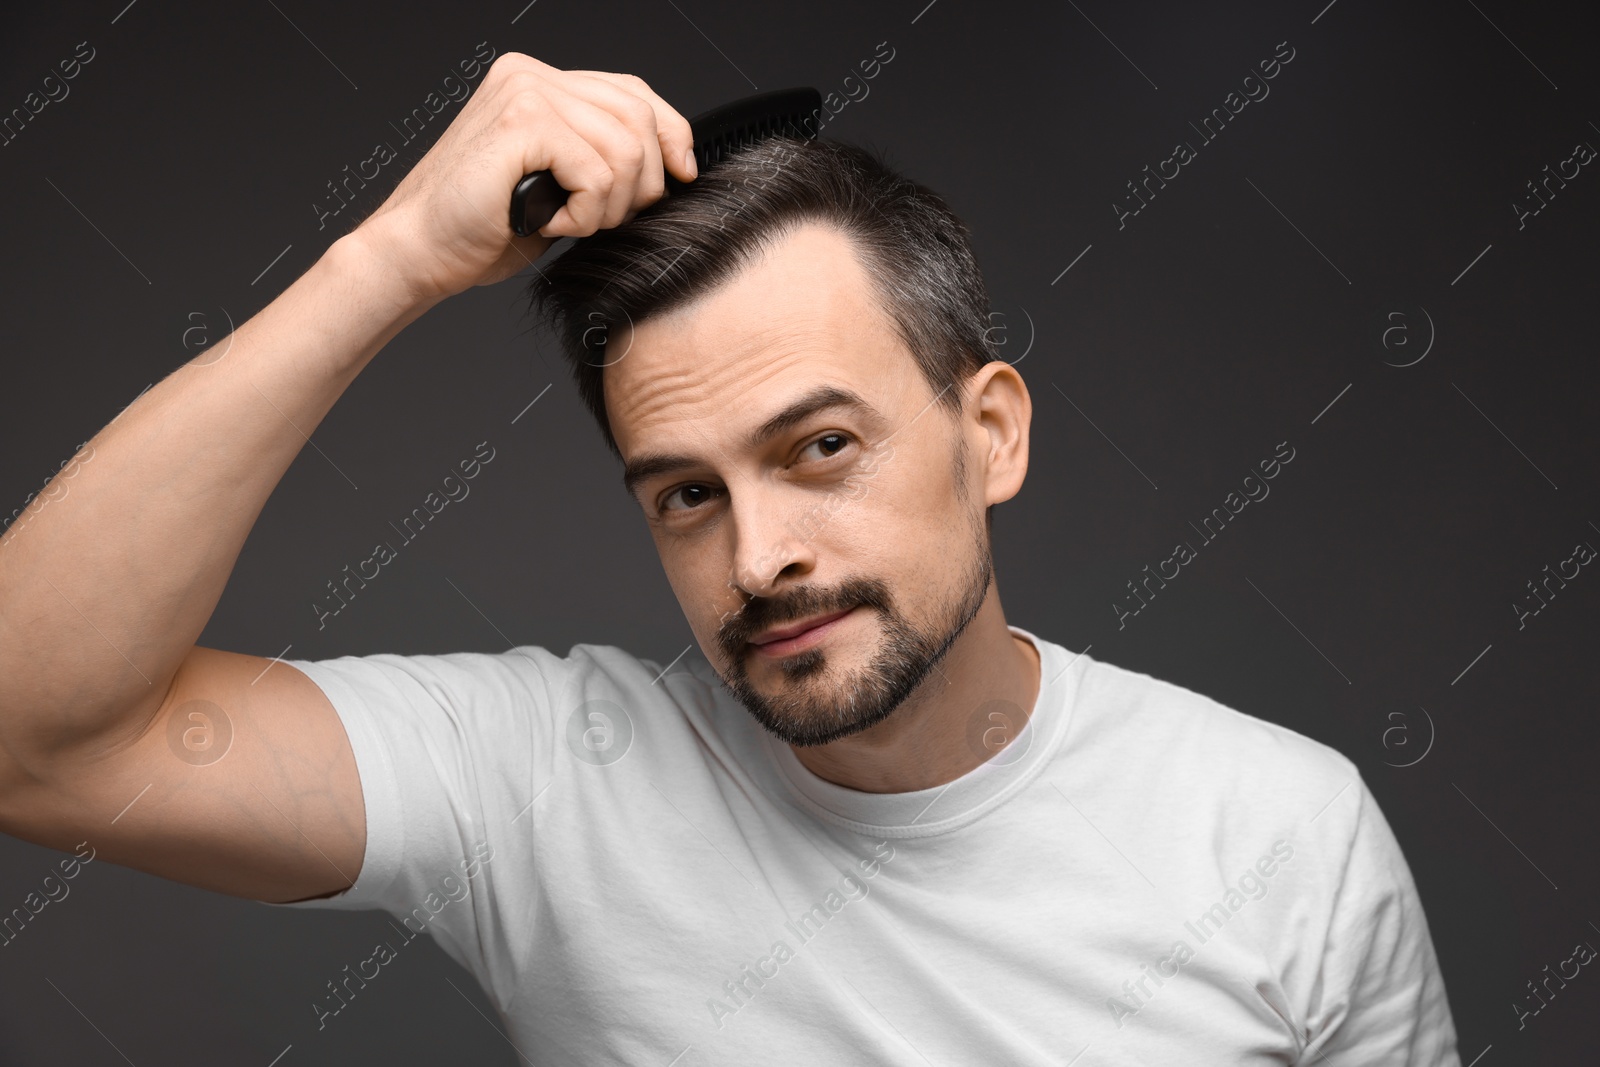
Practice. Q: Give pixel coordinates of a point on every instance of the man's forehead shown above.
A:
(803, 315)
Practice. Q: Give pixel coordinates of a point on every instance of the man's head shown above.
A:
(790, 358)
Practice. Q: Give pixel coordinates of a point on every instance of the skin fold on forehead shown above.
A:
(805, 311)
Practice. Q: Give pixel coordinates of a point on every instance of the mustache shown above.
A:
(804, 602)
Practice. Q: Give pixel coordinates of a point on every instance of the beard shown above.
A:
(820, 701)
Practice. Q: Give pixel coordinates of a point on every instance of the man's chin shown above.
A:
(805, 731)
(816, 709)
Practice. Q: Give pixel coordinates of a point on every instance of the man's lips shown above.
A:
(779, 638)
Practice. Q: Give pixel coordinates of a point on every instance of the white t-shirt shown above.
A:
(637, 873)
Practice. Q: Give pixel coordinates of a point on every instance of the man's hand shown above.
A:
(605, 137)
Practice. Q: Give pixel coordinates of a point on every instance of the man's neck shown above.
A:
(925, 742)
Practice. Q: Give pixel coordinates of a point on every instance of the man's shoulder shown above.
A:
(1182, 737)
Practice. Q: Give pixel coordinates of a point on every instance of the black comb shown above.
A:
(717, 133)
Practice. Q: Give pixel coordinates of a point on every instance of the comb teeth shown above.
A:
(741, 124)
(793, 124)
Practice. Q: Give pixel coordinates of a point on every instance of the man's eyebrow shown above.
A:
(652, 464)
(821, 398)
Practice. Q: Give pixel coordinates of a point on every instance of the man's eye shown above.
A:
(692, 496)
(829, 445)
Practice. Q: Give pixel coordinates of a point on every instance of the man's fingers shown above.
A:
(579, 168)
(608, 140)
(639, 116)
(675, 138)
(627, 156)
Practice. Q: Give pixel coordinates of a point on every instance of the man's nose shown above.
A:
(769, 544)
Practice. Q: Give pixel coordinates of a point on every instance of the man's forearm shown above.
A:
(108, 579)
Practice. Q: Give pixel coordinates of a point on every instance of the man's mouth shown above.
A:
(796, 636)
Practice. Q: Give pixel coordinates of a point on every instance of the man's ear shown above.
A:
(1000, 411)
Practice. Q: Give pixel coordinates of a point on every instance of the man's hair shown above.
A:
(701, 235)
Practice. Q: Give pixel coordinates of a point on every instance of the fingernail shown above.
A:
(689, 163)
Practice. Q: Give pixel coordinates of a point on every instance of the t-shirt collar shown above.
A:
(947, 807)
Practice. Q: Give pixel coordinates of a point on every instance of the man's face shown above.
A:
(797, 475)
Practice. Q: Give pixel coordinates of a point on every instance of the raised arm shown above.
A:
(110, 715)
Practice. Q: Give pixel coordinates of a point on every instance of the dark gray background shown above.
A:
(1252, 292)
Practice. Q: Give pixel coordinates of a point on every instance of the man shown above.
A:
(869, 822)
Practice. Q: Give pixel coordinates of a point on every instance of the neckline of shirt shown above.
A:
(957, 803)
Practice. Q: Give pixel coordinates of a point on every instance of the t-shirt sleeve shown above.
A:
(449, 750)
(1379, 998)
